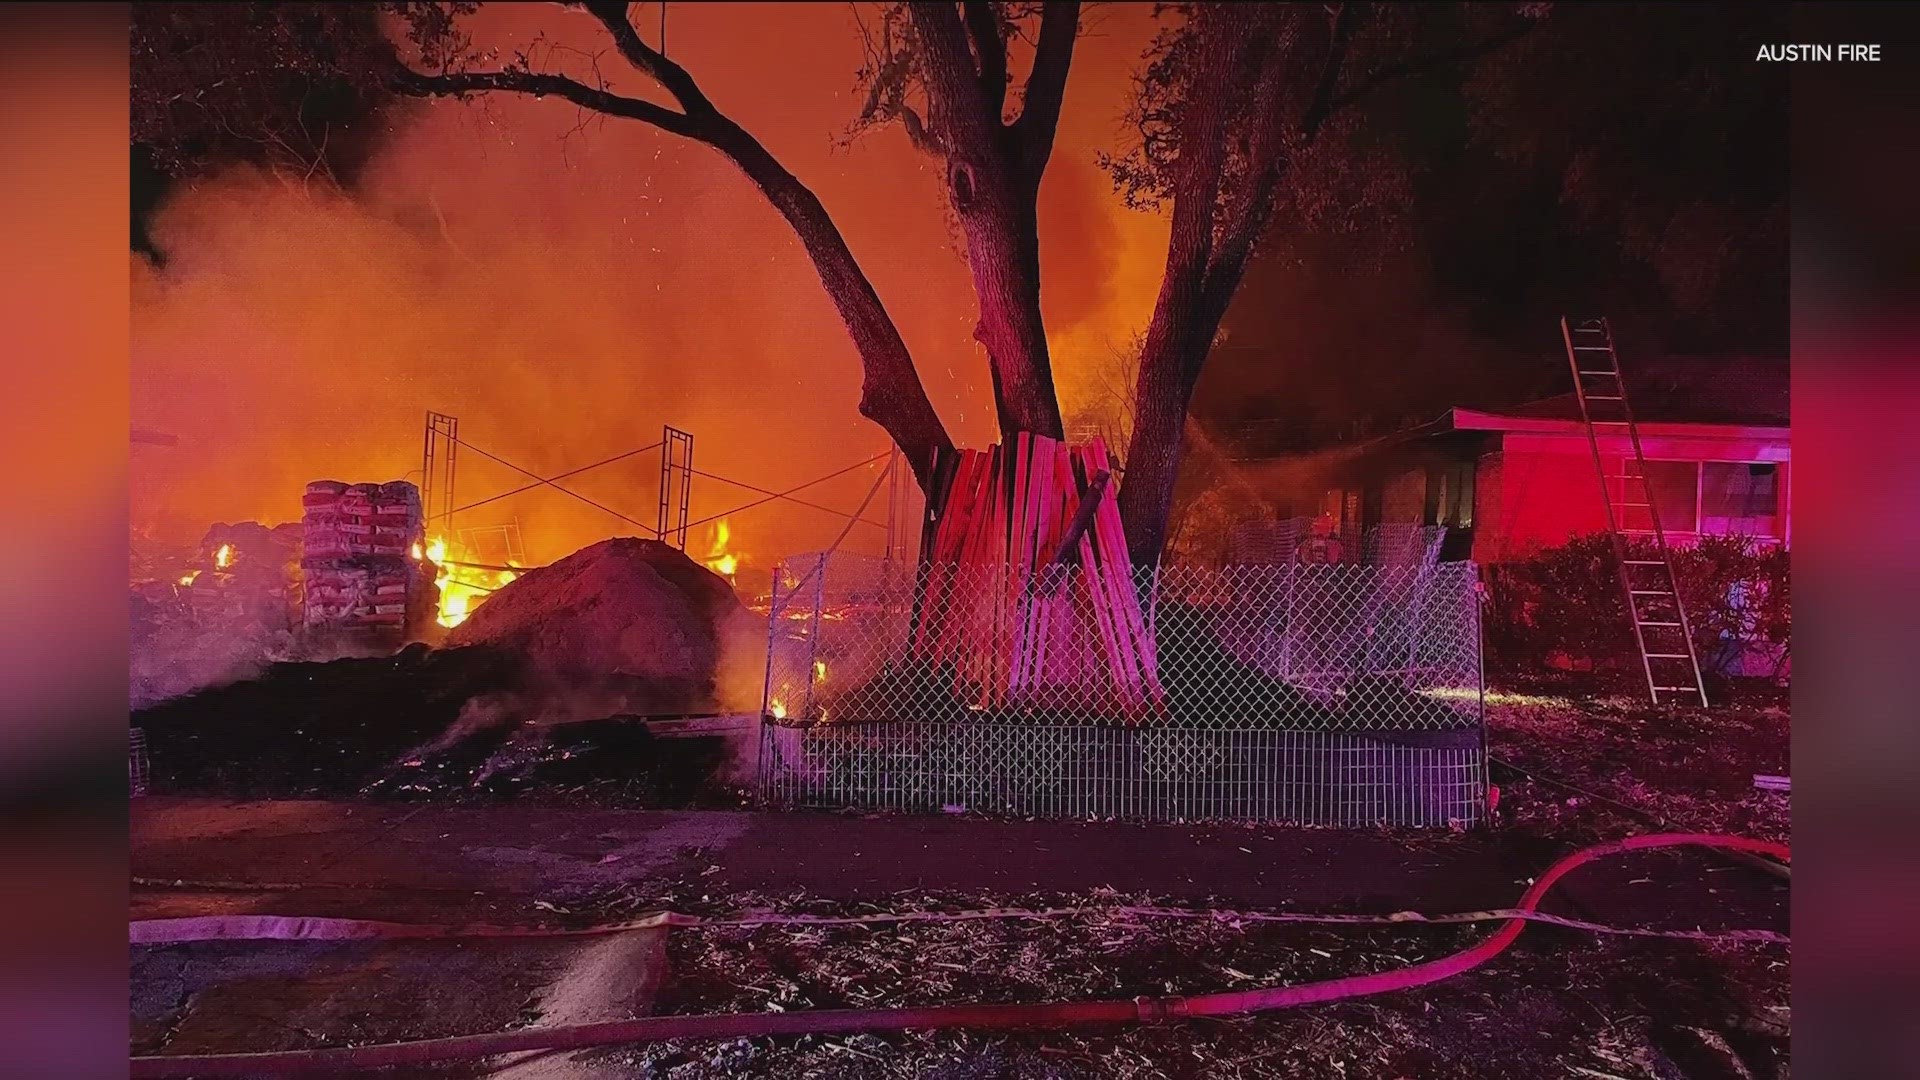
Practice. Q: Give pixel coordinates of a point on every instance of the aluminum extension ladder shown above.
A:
(1660, 627)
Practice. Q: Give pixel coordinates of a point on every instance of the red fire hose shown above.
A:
(850, 1021)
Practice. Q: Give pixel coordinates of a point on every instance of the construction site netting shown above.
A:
(1337, 693)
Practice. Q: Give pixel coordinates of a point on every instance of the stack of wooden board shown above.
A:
(1029, 596)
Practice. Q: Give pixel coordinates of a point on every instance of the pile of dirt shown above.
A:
(304, 730)
(626, 610)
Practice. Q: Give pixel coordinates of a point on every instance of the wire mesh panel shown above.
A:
(1338, 693)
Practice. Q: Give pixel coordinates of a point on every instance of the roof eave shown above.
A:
(1474, 420)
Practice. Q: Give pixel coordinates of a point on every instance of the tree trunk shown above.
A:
(1170, 364)
(993, 185)
(1003, 250)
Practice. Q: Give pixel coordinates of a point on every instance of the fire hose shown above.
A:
(982, 1017)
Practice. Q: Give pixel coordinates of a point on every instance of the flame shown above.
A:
(189, 578)
(719, 559)
(779, 710)
(462, 588)
(418, 554)
(224, 557)
(819, 671)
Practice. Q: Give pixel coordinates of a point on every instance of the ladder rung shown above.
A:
(1604, 397)
(1668, 656)
(1645, 562)
(1659, 624)
(1620, 423)
(1606, 371)
(1591, 348)
(1632, 504)
(1679, 689)
(1651, 592)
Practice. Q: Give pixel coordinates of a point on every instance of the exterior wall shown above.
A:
(1540, 490)
(1489, 515)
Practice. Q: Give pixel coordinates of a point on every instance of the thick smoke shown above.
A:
(567, 288)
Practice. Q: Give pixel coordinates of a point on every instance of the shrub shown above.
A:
(1566, 601)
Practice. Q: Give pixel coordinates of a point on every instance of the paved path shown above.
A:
(452, 864)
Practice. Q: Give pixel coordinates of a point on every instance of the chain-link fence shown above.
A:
(1319, 693)
(1301, 539)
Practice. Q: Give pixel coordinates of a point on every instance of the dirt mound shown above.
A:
(623, 609)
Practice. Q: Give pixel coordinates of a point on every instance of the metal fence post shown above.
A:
(813, 633)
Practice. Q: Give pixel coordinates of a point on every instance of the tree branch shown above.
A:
(958, 109)
(1411, 66)
(461, 83)
(646, 59)
(1223, 72)
(1270, 152)
(990, 50)
(1046, 85)
(892, 394)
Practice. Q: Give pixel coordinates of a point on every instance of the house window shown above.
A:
(1713, 498)
(1450, 495)
(1738, 498)
(1675, 490)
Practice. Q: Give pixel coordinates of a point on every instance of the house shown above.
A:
(1506, 482)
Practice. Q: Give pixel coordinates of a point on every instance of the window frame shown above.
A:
(1781, 527)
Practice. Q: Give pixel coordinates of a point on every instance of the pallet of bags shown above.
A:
(397, 524)
(321, 538)
(333, 594)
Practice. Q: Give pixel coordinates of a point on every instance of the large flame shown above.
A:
(223, 558)
(462, 588)
(719, 559)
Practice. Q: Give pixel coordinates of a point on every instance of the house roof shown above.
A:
(1673, 397)
(1690, 390)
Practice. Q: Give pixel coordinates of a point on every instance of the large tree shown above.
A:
(1232, 98)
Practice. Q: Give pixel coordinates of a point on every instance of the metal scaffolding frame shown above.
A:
(672, 523)
(676, 478)
(437, 470)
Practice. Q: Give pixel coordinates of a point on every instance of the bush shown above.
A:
(1566, 602)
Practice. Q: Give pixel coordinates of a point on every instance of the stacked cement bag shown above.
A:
(360, 559)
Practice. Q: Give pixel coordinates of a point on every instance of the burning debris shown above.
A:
(719, 559)
(462, 583)
(228, 611)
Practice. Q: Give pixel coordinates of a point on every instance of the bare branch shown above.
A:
(1046, 85)
(461, 83)
(645, 58)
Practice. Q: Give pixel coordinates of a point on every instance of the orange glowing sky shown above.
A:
(564, 291)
